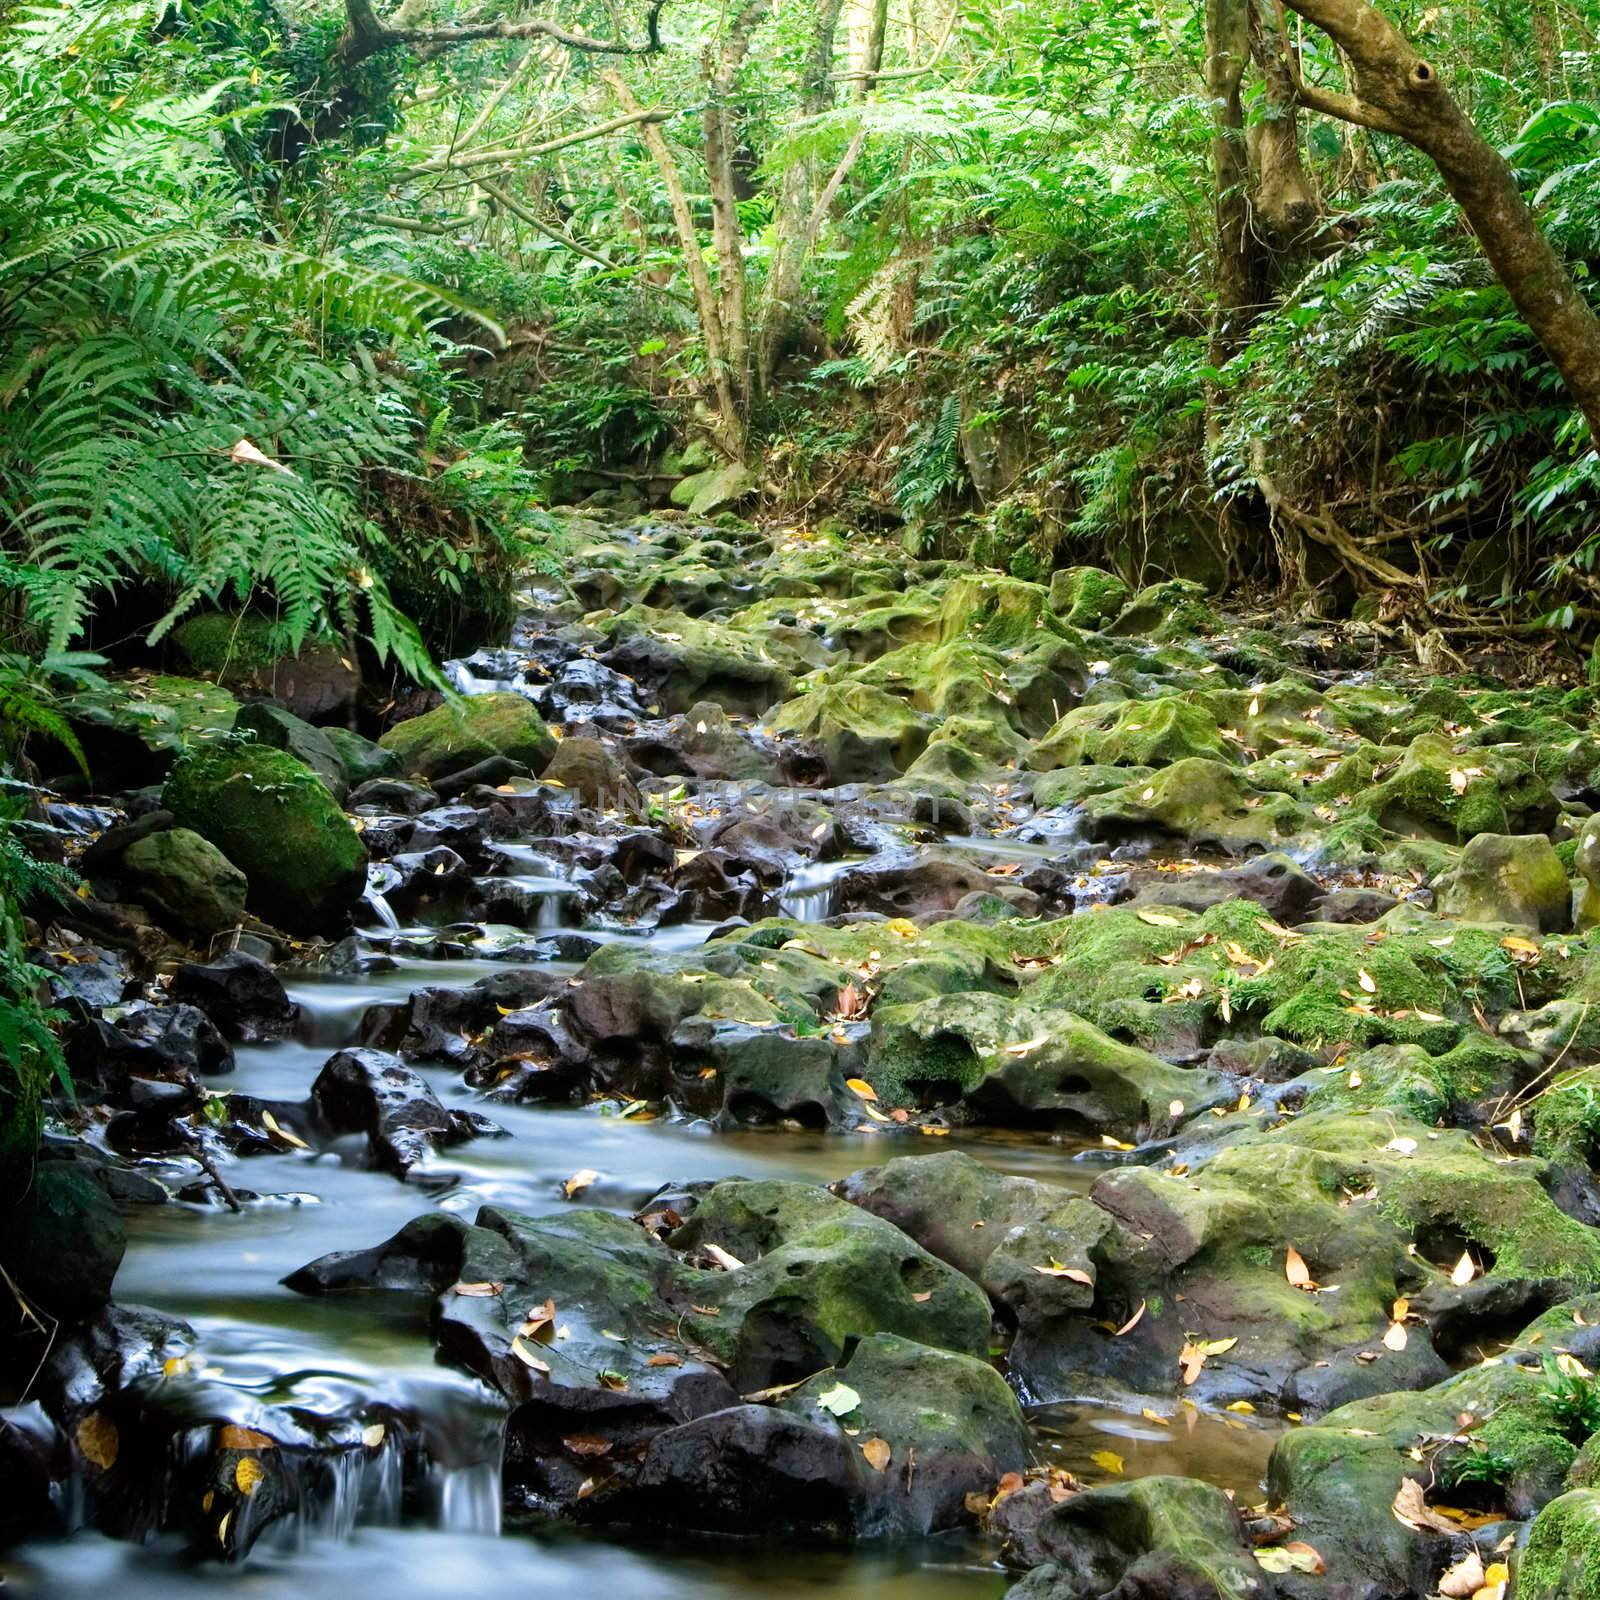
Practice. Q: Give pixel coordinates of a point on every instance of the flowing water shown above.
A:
(222, 1272)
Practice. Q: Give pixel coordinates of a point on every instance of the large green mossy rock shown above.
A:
(275, 820)
(866, 734)
(272, 725)
(465, 731)
(1454, 795)
(134, 728)
(949, 1420)
(816, 1275)
(1487, 1430)
(246, 654)
(187, 881)
(1561, 1560)
(1203, 802)
(1087, 597)
(1158, 1536)
(1508, 878)
(1027, 1065)
(1586, 859)
(1132, 733)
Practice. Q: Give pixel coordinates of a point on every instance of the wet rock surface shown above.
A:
(1157, 1020)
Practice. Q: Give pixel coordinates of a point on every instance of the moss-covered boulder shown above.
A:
(815, 1275)
(465, 731)
(1436, 790)
(250, 655)
(1586, 860)
(1561, 1560)
(132, 729)
(1165, 1536)
(1201, 801)
(1174, 609)
(865, 733)
(274, 819)
(272, 725)
(952, 1415)
(187, 881)
(682, 659)
(1016, 1063)
(1510, 878)
(968, 750)
(1489, 1436)
(1382, 1206)
(1150, 733)
(1087, 597)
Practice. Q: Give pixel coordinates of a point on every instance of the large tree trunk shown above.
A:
(1395, 91)
(721, 138)
(1234, 271)
(1286, 203)
(731, 419)
(794, 203)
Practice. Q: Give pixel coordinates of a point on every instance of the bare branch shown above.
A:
(503, 154)
(369, 34)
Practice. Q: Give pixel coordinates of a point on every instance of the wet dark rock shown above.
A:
(437, 881)
(927, 882)
(432, 1024)
(590, 771)
(717, 883)
(86, 974)
(393, 794)
(459, 828)
(174, 1042)
(1275, 881)
(64, 1241)
(751, 1467)
(367, 1091)
(1352, 904)
(760, 1076)
(490, 772)
(241, 994)
(35, 1466)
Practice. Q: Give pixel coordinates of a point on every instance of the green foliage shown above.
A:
(1572, 1400)
(186, 401)
(30, 1055)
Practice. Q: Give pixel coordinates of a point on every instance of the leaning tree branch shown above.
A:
(369, 34)
(502, 155)
(1392, 82)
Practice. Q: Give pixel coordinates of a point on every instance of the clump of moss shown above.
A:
(1561, 1560)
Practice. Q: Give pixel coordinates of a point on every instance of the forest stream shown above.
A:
(849, 1074)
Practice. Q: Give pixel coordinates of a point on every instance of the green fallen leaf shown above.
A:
(841, 1399)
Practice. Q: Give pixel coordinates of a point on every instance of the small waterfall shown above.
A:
(466, 1499)
(811, 893)
(381, 877)
(382, 909)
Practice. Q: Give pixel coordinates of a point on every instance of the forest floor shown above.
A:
(849, 1069)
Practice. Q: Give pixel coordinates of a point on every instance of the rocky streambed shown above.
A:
(821, 1066)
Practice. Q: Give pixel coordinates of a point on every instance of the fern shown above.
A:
(148, 325)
